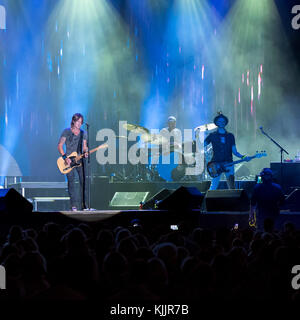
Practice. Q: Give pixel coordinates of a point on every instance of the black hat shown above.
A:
(266, 171)
(220, 115)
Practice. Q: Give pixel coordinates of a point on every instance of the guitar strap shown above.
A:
(79, 147)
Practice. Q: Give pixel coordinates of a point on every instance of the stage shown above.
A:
(120, 203)
(103, 192)
(136, 110)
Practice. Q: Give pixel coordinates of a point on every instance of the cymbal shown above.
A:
(154, 138)
(206, 127)
(135, 128)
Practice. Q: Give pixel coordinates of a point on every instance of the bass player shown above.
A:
(223, 145)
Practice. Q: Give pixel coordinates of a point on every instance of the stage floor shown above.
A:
(102, 192)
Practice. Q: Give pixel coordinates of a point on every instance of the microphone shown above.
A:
(261, 129)
(86, 124)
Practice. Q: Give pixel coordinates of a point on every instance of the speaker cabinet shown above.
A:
(100, 200)
(227, 200)
(182, 198)
(287, 175)
(292, 201)
(128, 200)
(11, 201)
(159, 196)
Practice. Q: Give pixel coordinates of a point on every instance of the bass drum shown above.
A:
(167, 165)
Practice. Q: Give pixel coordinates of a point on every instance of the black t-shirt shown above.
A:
(72, 140)
(222, 145)
(267, 197)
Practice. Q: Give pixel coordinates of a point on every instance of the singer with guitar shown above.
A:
(223, 144)
(75, 140)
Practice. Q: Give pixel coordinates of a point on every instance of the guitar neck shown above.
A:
(92, 151)
(236, 162)
(95, 149)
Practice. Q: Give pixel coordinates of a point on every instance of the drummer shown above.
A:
(175, 141)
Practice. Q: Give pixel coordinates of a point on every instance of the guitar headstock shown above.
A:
(260, 154)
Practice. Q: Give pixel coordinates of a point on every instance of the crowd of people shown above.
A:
(138, 262)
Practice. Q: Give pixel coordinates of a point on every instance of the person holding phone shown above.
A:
(267, 197)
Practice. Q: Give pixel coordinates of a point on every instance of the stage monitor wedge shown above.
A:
(158, 197)
(227, 200)
(128, 200)
(183, 198)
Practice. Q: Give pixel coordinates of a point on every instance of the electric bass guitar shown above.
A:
(214, 168)
(75, 160)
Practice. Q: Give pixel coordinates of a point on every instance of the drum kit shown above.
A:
(162, 166)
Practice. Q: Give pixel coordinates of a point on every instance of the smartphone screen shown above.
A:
(259, 179)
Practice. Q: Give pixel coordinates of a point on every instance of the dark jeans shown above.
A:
(229, 177)
(77, 200)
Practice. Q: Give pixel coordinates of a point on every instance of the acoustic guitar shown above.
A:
(75, 160)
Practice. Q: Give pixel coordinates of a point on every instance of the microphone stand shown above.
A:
(281, 154)
(89, 166)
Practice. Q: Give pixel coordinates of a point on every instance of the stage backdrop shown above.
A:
(141, 61)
